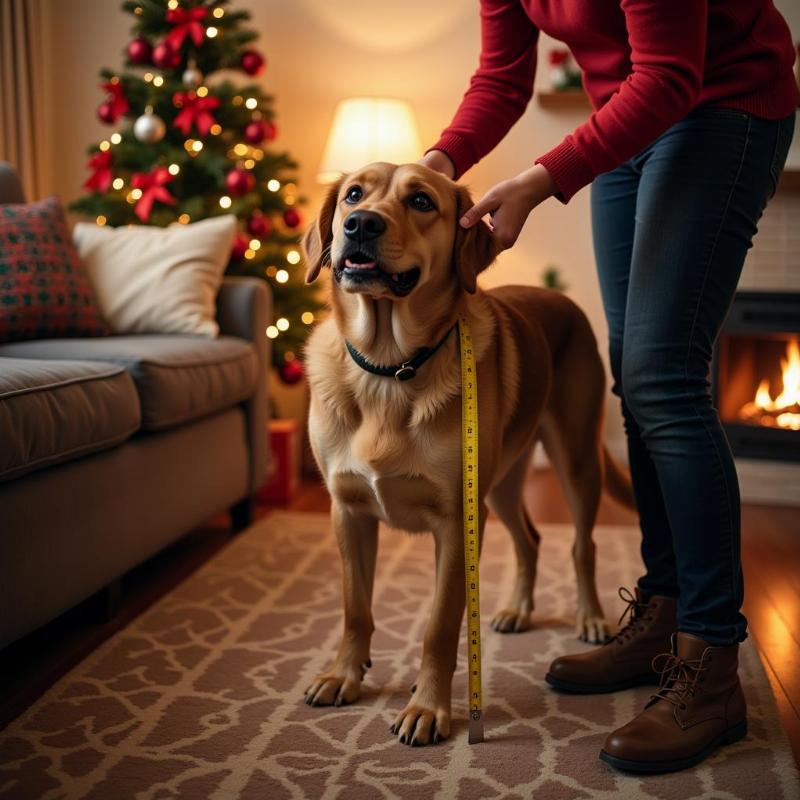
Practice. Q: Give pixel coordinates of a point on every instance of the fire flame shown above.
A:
(784, 410)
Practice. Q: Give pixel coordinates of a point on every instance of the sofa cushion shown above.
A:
(52, 411)
(44, 288)
(179, 378)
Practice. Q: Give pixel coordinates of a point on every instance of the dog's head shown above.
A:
(388, 231)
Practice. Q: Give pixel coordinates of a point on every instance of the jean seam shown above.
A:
(720, 462)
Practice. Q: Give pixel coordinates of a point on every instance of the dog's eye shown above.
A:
(354, 194)
(420, 201)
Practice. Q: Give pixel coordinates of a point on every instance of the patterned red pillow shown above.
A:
(44, 288)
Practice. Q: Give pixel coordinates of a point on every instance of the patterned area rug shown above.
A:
(201, 696)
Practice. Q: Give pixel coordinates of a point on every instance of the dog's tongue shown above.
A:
(363, 265)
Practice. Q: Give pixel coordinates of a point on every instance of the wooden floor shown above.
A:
(771, 554)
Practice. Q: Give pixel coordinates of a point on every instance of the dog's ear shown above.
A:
(474, 248)
(319, 235)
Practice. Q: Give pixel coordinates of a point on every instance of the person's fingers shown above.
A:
(486, 205)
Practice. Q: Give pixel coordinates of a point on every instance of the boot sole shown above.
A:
(730, 736)
(595, 688)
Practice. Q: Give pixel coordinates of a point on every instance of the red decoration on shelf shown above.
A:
(194, 111)
(239, 181)
(186, 22)
(115, 104)
(557, 57)
(239, 248)
(291, 371)
(153, 187)
(252, 62)
(100, 179)
(166, 57)
(292, 217)
(259, 225)
(140, 51)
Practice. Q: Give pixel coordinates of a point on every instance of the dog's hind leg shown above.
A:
(577, 458)
(505, 499)
(357, 535)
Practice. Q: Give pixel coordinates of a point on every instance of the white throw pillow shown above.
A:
(158, 280)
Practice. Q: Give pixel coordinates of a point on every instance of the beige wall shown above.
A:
(321, 51)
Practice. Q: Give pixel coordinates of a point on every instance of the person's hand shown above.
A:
(510, 202)
(440, 161)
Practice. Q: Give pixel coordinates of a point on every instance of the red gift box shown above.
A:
(283, 477)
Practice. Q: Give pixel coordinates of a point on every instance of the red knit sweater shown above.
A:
(645, 63)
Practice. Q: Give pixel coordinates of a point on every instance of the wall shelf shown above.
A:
(789, 180)
(569, 99)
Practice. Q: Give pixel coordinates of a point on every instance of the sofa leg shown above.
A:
(105, 604)
(241, 514)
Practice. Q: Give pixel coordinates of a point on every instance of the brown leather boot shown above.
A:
(626, 659)
(699, 707)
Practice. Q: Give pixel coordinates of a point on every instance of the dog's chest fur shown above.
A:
(379, 453)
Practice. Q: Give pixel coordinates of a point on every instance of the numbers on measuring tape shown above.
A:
(469, 450)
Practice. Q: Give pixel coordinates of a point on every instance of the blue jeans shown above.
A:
(671, 229)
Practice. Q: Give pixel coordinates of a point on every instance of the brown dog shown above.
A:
(390, 449)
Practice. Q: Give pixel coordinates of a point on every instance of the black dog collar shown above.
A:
(401, 372)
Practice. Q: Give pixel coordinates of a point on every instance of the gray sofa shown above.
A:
(112, 448)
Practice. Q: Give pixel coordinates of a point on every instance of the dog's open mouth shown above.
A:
(361, 268)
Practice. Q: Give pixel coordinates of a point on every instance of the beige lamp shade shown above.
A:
(367, 129)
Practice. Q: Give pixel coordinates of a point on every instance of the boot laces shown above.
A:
(679, 678)
(634, 611)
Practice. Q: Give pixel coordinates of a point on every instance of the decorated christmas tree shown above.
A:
(188, 143)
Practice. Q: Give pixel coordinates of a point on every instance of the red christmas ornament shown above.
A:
(239, 181)
(291, 371)
(254, 132)
(259, 225)
(166, 57)
(153, 187)
(100, 179)
(252, 62)
(105, 113)
(239, 248)
(270, 131)
(292, 217)
(140, 51)
(194, 111)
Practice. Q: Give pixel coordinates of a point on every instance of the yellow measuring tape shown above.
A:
(469, 471)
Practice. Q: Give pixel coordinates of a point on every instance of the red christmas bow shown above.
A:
(116, 97)
(152, 185)
(186, 21)
(194, 111)
(100, 179)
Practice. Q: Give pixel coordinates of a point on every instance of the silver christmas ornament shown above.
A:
(149, 128)
(192, 77)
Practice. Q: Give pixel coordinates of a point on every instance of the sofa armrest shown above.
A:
(244, 308)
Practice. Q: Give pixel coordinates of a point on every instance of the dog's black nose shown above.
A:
(364, 225)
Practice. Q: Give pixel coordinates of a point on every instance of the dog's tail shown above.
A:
(618, 482)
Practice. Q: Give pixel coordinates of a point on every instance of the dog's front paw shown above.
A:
(511, 620)
(591, 627)
(423, 721)
(337, 687)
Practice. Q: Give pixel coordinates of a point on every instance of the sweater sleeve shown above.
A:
(500, 89)
(668, 45)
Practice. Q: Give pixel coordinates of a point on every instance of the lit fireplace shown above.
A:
(784, 410)
(756, 376)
